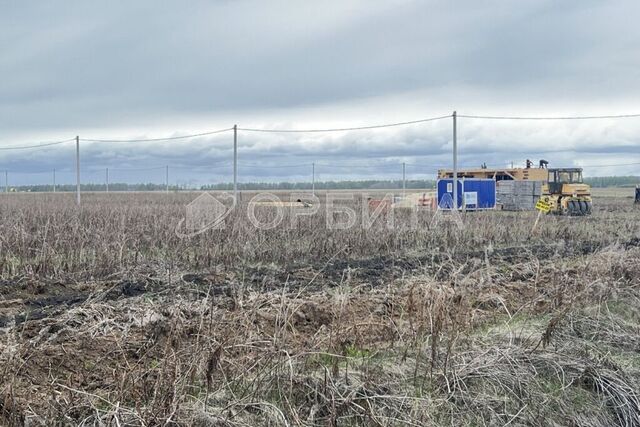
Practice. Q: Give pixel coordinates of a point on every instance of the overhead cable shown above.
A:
(169, 138)
(42, 144)
(469, 116)
(151, 168)
(606, 166)
(615, 116)
(344, 129)
(373, 166)
(298, 165)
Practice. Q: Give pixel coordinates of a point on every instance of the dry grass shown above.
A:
(107, 318)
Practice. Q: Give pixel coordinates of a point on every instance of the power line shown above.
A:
(169, 138)
(373, 166)
(344, 129)
(326, 165)
(42, 144)
(616, 116)
(469, 116)
(151, 168)
(298, 165)
(35, 172)
(606, 166)
(212, 167)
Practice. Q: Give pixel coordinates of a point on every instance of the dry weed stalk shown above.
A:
(108, 319)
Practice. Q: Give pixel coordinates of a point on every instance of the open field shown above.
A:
(107, 317)
(616, 192)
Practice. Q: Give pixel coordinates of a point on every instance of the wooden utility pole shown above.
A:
(166, 178)
(78, 170)
(455, 162)
(235, 162)
(404, 179)
(313, 179)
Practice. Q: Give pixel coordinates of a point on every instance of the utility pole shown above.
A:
(404, 179)
(313, 179)
(107, 178)
(6, 181)
(54, 180)
(235, 162)
(78, 170)
(455, 161)
(166, 178)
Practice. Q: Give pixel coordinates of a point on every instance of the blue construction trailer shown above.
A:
(473, 194)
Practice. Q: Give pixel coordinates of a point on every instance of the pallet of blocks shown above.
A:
(518, 195)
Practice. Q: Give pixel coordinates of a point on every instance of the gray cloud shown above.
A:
(144, 69)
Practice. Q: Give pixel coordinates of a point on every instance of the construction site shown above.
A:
(320, 214)
(519, 189)
(496, 296)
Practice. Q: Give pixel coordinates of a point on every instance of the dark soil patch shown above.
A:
(374, 271)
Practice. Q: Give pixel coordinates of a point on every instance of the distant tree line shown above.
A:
(325, 185)
(613, 181)
(372, 184)
(91, 187)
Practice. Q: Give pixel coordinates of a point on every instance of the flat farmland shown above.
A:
(109, 315)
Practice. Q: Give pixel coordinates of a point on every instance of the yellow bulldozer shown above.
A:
(566, 193)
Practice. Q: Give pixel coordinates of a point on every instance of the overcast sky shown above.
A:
(148, 69)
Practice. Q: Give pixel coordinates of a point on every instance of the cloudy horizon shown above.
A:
(134, 71)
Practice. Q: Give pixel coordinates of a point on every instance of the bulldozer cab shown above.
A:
(559, 177)
(566, 192)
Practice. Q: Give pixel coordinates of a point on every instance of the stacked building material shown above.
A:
(423, 200)
(518, 195)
